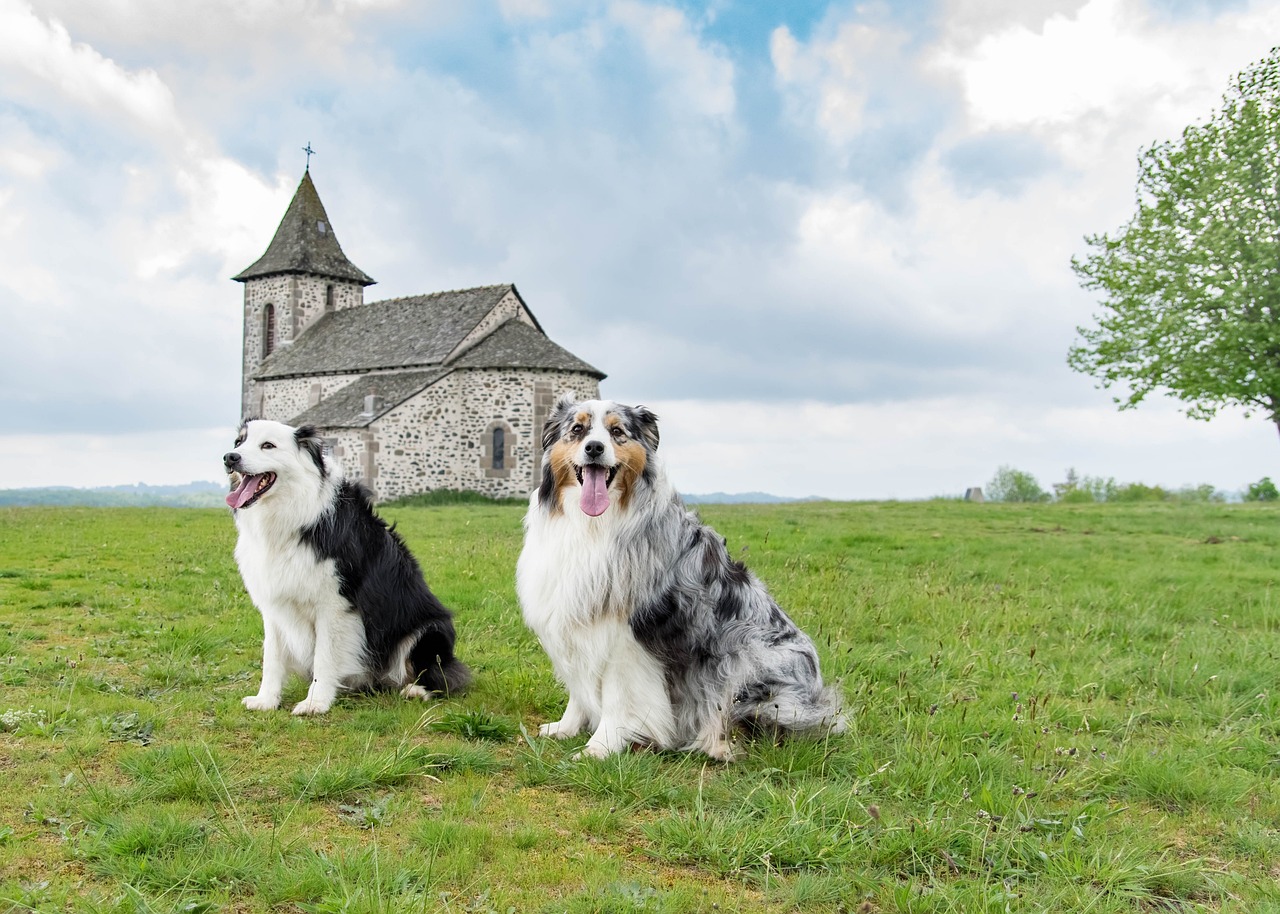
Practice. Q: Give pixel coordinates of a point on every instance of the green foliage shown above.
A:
(1191, 293)
(1014, 485)
(1052, 708)
(1076, 489)
(437, 498)
(1262, 490)
(476, 725)
(1137, 491)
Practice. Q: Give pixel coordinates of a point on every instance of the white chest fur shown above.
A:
(281, 572)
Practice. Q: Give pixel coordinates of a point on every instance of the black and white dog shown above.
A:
(343, 602)
(659, 636)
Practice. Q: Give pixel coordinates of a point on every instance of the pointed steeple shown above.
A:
(305, 243)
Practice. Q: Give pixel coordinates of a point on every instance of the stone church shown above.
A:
(447, 390)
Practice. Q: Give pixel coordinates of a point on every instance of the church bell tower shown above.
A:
(303, 276)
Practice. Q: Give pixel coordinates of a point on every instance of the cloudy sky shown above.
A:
(828, 242)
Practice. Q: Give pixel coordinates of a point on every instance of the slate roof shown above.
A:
(517, 345)
(305, 243)
(396, 333)
(345, 408)
(514, 344)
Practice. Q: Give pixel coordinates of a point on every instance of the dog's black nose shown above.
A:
(594, 449)
(230, 460)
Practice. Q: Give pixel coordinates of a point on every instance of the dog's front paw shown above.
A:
(310, 706)
(721, 751)
(559, 730)
(593, 750)
(413, 690)
(259, 703)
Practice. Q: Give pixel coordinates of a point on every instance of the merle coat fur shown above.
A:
(660, 637)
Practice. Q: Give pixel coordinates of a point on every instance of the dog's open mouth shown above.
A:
(595, 481)
(248, 488)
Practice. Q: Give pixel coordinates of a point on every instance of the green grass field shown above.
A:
(1052, 708)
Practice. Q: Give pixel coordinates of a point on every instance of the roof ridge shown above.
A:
(400, 298)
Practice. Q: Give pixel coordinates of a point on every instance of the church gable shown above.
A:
(511, 307)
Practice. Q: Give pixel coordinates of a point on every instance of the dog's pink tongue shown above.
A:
(595, 492)
(243, 492)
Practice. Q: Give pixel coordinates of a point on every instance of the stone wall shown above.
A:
(310, 295)
(442, 437)
(298, 300)
(258, 293)
(284, 398)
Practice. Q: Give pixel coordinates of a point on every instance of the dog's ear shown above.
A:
(646, 423)
(310, 443)
(551, 428)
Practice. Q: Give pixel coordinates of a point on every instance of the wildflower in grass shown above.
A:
(13, 719)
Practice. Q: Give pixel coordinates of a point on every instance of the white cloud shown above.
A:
(1110, 58)
(36, 53)
(850, 78)
(227, 210)
(524, 9)
(700, 78)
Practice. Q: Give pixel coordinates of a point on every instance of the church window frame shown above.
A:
(269, 339)
(497, 449)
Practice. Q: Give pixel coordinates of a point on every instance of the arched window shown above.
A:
(499, 448)
(268, 330)
(498, 445)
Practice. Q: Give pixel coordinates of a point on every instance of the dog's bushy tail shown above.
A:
(445, 675)
(796, 708)
(434, 666)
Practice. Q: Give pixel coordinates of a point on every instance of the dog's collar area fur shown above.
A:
(249, 489)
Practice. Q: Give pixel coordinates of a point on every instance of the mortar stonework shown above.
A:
(284, 398)
(298, 300)
(437, 439)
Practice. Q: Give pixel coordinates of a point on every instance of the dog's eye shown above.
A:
(267, 446)
(578, 428)
(617, 432)
(239, 441)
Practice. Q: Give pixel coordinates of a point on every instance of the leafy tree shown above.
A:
(1076, 488)
(1191, 285)
(1262, 490)
(1137, 491)
(1014, 485)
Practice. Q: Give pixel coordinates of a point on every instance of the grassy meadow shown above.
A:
(1066, 708)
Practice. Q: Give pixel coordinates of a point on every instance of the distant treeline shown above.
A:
(212, 495)
(191, 495)
(1015, 485)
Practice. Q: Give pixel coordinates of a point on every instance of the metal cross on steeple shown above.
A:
(310, 152)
